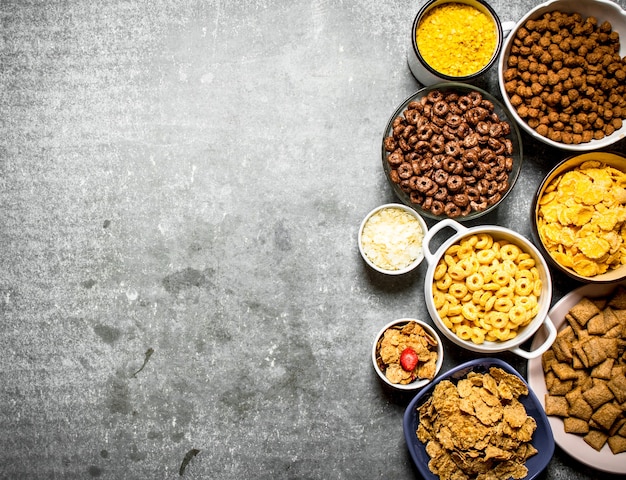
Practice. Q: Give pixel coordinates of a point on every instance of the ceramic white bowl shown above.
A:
(603, 10)
(525, 333)
(370, 262)
(417, 384)
(615, 160)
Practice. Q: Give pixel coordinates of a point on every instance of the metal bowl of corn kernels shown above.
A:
(451, 150)
(562, 73)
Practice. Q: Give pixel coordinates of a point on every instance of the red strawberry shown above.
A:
(408, 359)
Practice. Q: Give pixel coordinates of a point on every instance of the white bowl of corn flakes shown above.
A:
(579, 214)
(407, 354)
(390, 239)
(488, 289)
(562, 70)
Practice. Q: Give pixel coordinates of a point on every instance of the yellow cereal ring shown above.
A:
(502, 334)
(491, 287)
(510, 267)
(510, 335)
(526, 264)
(485, 241)
(507, 292)
(449, 260)
(469, 264)
(517, 314)
(454, 310)
(498, 320)
(439, 299)
(446, 321)
(490, 336)
(476, 294)
(483, 324)
(467, 298)
(524, 274)
(458, 290)
(485, 271)
(440, 270)
(503, 304)
(444, 282)
(478, 336)
(471, 240)
(528, 302)
(524, 286)
(465, 251)
(535, 272)
(463, 332)
(443, 311)
(490, 303)
(509, 252)
(485, 257)
(470, 311)
(475, 282)
(501, 277)
(456, 319)
(457, 272)
(484, 298)
(452, 249)
(537, 287)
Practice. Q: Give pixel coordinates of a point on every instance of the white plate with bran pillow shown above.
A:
(573, 444)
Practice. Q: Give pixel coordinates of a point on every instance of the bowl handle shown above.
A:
(447, 222)
(547, 323)
(507, 27)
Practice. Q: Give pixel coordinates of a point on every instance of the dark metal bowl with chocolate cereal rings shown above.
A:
(451, 150)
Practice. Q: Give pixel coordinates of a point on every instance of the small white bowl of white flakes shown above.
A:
(390, 239)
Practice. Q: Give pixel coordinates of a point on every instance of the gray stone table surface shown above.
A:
(181, 184)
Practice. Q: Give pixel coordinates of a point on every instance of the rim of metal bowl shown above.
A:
(503, 113)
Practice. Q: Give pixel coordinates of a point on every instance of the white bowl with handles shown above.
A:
(541, 318)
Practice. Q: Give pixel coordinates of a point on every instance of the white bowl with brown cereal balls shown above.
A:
(579, 214)
(390, 239)
(451, 150)
(562, 73)
(488, 289)
(407, 354)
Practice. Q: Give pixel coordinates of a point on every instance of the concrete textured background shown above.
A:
(186, 179)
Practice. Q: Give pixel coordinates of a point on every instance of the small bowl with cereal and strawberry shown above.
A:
(488, 289)
(579, 215)
(562, 72)
(407, 354)
(451, 150)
